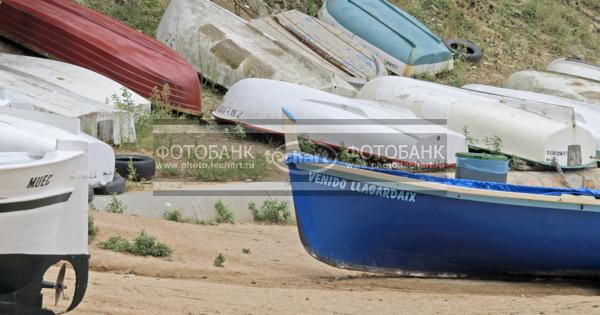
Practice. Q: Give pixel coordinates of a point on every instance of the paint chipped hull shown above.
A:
(329, 47)
(66, 31)
(226, 49)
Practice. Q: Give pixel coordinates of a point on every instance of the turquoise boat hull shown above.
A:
(406, 46)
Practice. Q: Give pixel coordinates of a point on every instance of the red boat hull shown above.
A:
(66, 31)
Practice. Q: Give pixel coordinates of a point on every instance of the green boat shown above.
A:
(406, 46)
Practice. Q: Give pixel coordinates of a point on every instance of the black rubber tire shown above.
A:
(464, 49)
(116, 187)
(90, 194)
(144, 166)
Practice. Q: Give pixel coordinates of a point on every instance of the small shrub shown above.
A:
(223, 213)
(271, 211)
(237, 131)
(116, 244)
(143, 245)
(493, 144)
(92, 229)
(174, 215)
(146, 245)
(219, 261)
(115, 205)
(246, 250)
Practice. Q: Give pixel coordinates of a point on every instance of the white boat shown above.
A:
(371, 128)
(493, 124)
(37, 132)
(556, 84)
(43, 217)
(71, 91)
(547, 105)
(324, 44)
(576, 68)
(226, 48)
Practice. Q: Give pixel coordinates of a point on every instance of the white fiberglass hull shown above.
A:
(523, 131)
(225, 49)
(43, 218)
(70, 91)
(575, 68)
(38, 132)
(556, 84)
(585, 113)
(369, 127)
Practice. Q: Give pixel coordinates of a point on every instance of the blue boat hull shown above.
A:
(433, 233)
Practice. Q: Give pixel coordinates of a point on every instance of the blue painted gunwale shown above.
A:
(451, 231)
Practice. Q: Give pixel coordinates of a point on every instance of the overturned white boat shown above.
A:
(43, 217)
(71, 91)
(37, 132)
(371, 128)
(324, 44)
(576, 68)
(546, 105)
(493, 124)
(225, 49)
(556, 84)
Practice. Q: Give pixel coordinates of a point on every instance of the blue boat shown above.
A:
(390, 221)
(406, 46)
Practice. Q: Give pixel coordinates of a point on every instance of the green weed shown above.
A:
(271, 211)
(223, 214)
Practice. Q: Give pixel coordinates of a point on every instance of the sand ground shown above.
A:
(279, 277)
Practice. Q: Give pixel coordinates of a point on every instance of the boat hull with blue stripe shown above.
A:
(406, 46)
(395, 222)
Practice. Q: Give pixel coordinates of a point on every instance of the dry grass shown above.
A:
(514, 35)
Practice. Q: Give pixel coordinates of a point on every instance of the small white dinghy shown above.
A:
(38, 132)
(491, 123)
(372, 128)
(43, 217)
(556, 84)
(70, 91)
(226, 48)
(546, 105)
(576, 68)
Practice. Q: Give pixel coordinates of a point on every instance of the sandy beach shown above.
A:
(279, 277)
